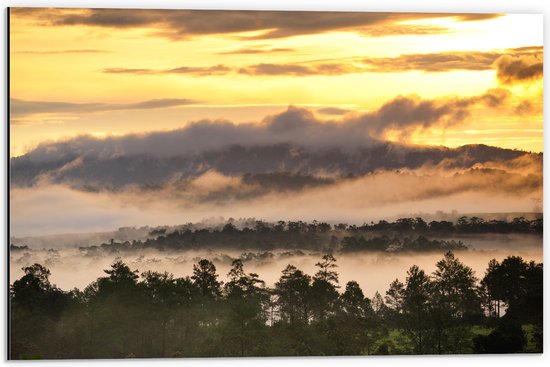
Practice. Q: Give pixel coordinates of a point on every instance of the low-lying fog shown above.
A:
(71, 267)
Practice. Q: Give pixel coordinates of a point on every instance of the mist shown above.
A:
(384, 195)
(374, 271)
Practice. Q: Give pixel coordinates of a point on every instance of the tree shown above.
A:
(118, 302)
(293, 289)
(518, 285)
(353, 300)
(492, 282)
(120, 273)
(357, 321)
(206, 279)
(512, 274)
(456, 283)
(456, 304)
(325, 272)
(378, 304)
(416, 295)
(30, 290)
(395, 298)
(324, 295)
(35, 292)
(161, 289)
(245, 317)
(36, 308)
(508, 337)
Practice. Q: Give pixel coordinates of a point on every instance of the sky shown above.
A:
(114, 72)
(135, 117)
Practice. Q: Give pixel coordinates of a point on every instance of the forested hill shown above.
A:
(88, 166)
(405, 234)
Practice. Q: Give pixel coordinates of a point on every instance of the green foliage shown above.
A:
(517, 286)
(508, 337)
(126, 315)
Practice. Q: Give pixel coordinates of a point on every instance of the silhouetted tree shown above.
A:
(206, 279)
(416, 297)
(456, 304)
(293, 292)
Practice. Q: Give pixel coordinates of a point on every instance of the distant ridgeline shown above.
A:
(403, 235)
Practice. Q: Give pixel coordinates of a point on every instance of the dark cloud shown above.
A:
(93, 164)
(294, 140)
(55, 52)
(333, 111)
(20, 108)
(519, 69)
(178, 24)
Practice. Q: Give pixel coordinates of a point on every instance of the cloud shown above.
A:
(519, 69)
(401, 30)
(181, 24)
(405, 114)
(94, 165)
(449, 61)
(433, 62)
(294, 142)
(428, 63)
(492, 98)
(129, 71)
(371, 197)
(20, 108)
(189, 70)
(200, 70)
(296, 125)
(302, 69)
(278, 69)
(257, 50)
(321, 69)
(56, 52)
(528, 108)
(337, 111)
(527, 49)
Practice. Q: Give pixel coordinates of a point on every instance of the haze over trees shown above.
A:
(154, 314)
(402, 235)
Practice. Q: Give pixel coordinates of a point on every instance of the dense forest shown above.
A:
(403, 235)
(125, 314)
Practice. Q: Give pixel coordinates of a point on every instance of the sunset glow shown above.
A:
(86, 63)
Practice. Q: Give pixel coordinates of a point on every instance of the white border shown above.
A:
(463, 6)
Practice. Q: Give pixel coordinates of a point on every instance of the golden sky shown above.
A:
(113, 72)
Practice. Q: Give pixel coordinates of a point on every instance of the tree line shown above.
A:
(405, 234)
(154, 314)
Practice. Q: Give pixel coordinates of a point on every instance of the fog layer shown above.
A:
(374, 271)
